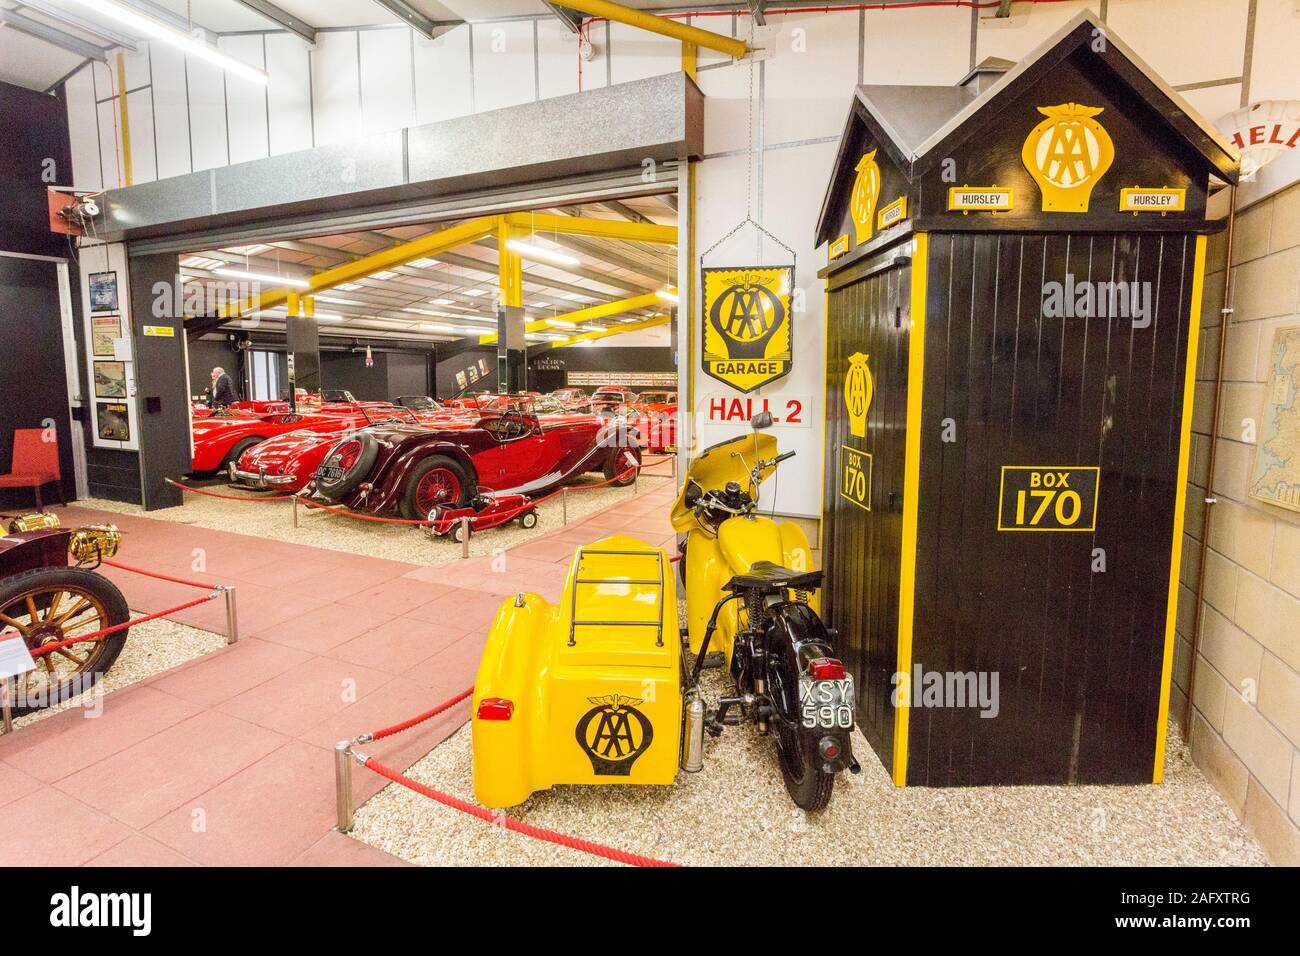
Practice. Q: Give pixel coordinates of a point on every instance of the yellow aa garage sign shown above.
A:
(748, 326)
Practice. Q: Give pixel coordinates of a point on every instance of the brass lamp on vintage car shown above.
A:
(46, 600)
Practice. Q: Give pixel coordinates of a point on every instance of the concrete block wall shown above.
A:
(1245, 727)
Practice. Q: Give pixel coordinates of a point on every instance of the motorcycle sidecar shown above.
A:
(588, 691)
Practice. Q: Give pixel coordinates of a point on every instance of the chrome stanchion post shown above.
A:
(343, 784)
(6, 709)
(232, 620)
(295, 511)
(464, 536)
(564, 500)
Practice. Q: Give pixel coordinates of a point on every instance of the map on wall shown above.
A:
(1277, 460)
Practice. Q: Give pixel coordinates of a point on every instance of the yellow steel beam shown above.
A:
(399, 255)
(661, 25)
(543, 222)
(690, 60)
(649, 323)
(602, 311)
(126, 122)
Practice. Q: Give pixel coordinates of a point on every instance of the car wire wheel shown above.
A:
(438, 486)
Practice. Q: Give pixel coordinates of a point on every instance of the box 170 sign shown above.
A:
(855, 476)
(1048, 498)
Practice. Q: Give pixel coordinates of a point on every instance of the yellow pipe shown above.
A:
(544, 222)
(661, 25)
(126, 121)
(604, 310)
(399, 255)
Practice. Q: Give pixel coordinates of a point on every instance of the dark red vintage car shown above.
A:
(411, 468)
(47, 599)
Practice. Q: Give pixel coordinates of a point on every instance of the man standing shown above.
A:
(222, 392)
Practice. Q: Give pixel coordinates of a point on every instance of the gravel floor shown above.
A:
(150, 649)
(395, 542)
(736, 813)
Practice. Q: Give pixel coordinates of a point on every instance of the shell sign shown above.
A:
(866, 193)
(1067, 154)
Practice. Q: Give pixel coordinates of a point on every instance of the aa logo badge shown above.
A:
(748, 335)
(1067, 154)
(865, 195)
(858, 389)
(613, 734)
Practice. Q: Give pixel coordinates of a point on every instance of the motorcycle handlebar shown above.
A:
(780, 458)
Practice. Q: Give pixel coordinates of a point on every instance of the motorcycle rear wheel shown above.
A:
(809, 787)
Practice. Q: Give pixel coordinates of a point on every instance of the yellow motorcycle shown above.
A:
(751, 605)
(600, 689)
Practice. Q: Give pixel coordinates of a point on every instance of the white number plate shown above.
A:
(329, 472)
(826, 704)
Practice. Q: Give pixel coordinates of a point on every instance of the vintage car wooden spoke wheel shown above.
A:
(438, 486)
(51, 605)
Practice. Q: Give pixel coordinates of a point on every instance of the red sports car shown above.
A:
(654, 415)
(412, 467)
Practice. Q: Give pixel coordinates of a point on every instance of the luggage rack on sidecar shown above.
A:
(656, 582)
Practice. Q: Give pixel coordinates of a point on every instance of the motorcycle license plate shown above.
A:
(826, 704)
(330, 472)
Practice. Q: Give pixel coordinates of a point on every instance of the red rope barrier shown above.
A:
(421, 718)
(156, 574)
(49, 648)
(538, 833)
(213, 494)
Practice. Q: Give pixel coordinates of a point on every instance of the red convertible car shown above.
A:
(654, 415)
(412, 466)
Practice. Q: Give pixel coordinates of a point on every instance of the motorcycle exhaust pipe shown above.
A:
(693, 733)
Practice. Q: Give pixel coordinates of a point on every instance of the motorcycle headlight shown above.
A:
(95, 542)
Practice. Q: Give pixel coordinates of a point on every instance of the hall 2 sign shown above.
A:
(788, 411)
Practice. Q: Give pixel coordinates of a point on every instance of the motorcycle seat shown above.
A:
(769, 576)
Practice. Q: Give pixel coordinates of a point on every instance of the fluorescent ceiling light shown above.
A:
(561, 324)
(474, 292)
(668, 295)
(385, 274)
(160, 31)
(442, 301)
(348, 286)
(263, 277)
(422, 263)
(326, 317)
(537, 252)
(453, 329)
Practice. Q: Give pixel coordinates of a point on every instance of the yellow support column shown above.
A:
(126, 121)
(510, 266)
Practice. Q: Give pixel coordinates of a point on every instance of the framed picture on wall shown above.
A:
(104, 329)
(112, 421)
(110, 380)
(103, 292)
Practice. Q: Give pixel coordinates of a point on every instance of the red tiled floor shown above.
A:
(140, 784)
(305, 695)
(245, 819)
(49, 828)
(244, 735)
(60, 745)
(139, 850)
(230, 671)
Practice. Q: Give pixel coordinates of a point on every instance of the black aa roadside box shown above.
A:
(1014, 291)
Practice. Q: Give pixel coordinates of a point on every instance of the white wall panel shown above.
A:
(636, 54)
(726, 106)
(83, 134)
(503, 64)
(725, 24)
(1026, 28)
(245, 101)
(139, 114)
(443, 83)
(1274, 74)
(1215, 101)
(1184, 56)
(387, 100)
(595, 72)
(924, 46)
(170, 113)
(207, 98)
(813, 68)
(289, 93)
(110, 144)
(137, 67)
(336, 88)
(557, 59)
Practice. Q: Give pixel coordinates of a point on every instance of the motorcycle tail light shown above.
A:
(825, 668)
(495, 708)
(829, 747)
